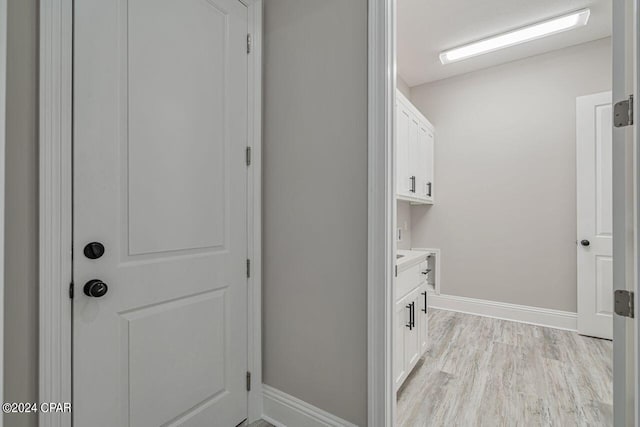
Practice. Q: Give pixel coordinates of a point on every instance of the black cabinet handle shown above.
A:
(424, 310)
(410, 324)
(429, 189)
(413, 314)
(413, 184)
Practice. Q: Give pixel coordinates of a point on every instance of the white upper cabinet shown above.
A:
(414, 153)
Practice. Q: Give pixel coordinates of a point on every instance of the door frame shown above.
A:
(625, 217)
(381, 209)
(56, 209)
(3, 104)
(381, 402)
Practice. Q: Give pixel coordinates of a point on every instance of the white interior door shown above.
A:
(594, 210)
(160, 131)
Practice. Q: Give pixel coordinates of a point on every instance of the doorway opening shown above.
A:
(503, 292)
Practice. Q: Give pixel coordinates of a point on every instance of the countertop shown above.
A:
(410, 258)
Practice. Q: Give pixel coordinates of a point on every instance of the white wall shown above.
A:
(21, 216)
(505, 216)
(315, 203)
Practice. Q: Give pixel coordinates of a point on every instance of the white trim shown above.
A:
(381, 211)
(3, 133)
(556, 319)
(55, 206)
(254, 195)
(624, 45)
(283, 410)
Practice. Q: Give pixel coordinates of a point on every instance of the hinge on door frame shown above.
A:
(71, 290)
(623, 303)
(248, 44)
(248, 268)
(248, 156)
(248, 381)
(623, 113)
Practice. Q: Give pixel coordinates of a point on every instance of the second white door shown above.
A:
(594, 210)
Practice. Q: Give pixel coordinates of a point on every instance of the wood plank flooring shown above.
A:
(487, 372)
(260, 424)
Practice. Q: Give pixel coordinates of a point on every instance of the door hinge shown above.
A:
(248, 381)
(623, 113)
(248, 43)
(248, 268)
(623, 303)
(396, 271)
(71, 290)
(248, 156)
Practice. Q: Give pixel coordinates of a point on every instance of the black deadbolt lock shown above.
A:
(94, 250)
(95, 288)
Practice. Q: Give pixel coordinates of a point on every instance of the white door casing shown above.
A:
(160, 131)
(3, 103)
(594, 214)
(625, 213)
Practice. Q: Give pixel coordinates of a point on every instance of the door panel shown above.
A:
(400, 321)
(176, 186)
(411, 337)
(160, 130)
(420, 161)
(430, 164)
(414, 149)
(594, 210)
(422, 313)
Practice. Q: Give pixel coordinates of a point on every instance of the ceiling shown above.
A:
(427, 27)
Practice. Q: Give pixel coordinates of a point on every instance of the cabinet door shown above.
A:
(411, 337)
(414, 153)
(403, 119)
(420, 162)
(429, 163)
(422, 318)
(400, 322)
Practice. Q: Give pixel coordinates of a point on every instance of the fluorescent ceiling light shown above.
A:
(522, 35)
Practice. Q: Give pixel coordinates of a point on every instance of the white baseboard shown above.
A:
(283, 410)
(500, 310)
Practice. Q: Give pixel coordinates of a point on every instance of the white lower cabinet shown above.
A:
(400, 320)
(410, 326)
(423, 318)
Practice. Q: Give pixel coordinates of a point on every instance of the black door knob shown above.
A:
(95, 288)
(585, 242)
(94, 250)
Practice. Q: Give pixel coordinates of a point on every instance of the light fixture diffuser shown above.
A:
(515, 37)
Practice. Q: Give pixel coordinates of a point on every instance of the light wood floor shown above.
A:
(486, 372)
(260, 424)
